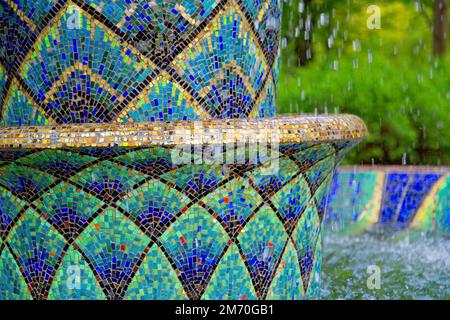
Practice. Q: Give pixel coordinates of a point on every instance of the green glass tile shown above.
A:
(262, 241)
(74, 280)
(287, 283)
(38, 247)
(154, 205)
(114, 245)
(59, 162)
(234, 202)
(24, 182)
(319, 171)
(231, 280)
(197, 180)
(10, 206)
(108, 180)
(306, 236)
(69, 208)
(12, 284)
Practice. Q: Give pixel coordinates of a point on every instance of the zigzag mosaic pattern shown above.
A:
(79, 61)
(133, 225)
(403, 197)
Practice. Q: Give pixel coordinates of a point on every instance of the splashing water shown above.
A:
(412, 266)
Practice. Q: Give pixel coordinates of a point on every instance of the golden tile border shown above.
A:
(283, 129)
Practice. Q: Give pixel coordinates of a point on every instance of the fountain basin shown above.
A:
(108, 211)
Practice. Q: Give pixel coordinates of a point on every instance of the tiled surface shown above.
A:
(136, 227)
(402, 197)
(84, 61)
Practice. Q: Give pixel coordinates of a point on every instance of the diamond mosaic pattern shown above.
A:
(80, 61)
(165, 233)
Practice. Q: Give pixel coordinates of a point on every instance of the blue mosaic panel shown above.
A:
(403, 194)
(396, 197)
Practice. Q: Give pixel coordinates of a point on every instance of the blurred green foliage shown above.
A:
(386, 76)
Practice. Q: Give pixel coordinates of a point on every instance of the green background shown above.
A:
(388, 76)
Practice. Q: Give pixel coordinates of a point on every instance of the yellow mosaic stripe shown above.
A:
(144, 95)
(5, 110)
(219, 75)
(255, 111)
(185, 15)
(45, 32)
(21, 14)
(125, 45)
(87, 71)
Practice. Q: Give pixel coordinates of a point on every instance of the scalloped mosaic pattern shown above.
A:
(133, 225)
(84, 61)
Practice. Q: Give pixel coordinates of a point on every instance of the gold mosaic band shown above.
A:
(285, 129)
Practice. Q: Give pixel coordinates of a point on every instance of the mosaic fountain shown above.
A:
(95, 98)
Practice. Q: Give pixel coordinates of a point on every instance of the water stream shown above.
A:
(412, 266)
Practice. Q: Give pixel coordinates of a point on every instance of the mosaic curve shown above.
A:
(165, 234)
(85, 61)
(406, 197)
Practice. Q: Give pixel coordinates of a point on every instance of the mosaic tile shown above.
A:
(197, 180)
(262, 242)
(10, 207)
(233, 202)
(36, 247)
(61, 163)
(406, 190)
(194, 243)
(20, 110)
(16, 287)
(231, 280)
(287, 283)
(355, 191)
(320, 197)
(313, 291)
(113, 246)
(23, 182)
(306, 237)
(291, 201)
(69, 208)
(154, 205)
(320, 171)
(167, 234)
(107, 179)
(289, 130)
(188, 223)
(74, 280)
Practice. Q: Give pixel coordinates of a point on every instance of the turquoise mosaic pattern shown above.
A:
(84, 61)
(127, 223)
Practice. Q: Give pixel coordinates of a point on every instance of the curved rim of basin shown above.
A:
(284, 129)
